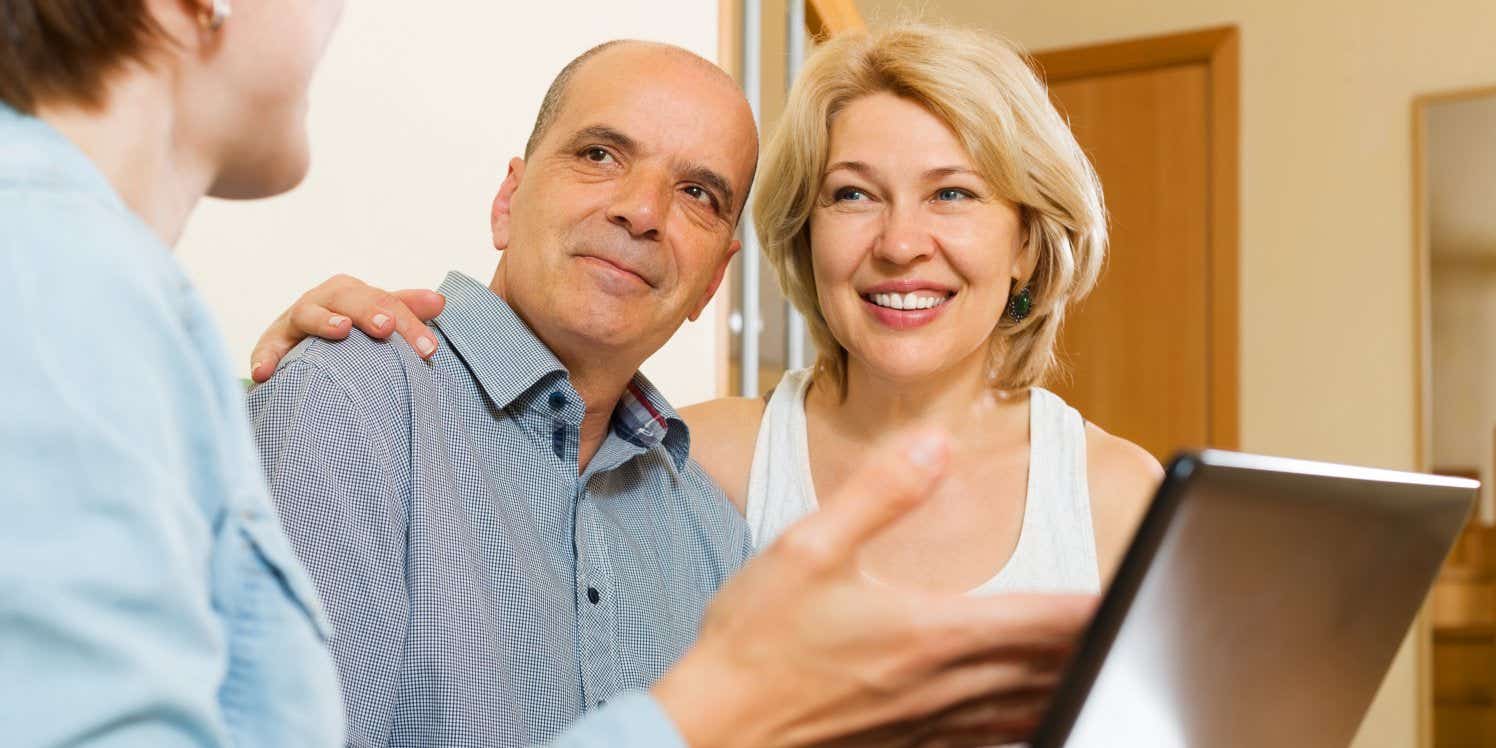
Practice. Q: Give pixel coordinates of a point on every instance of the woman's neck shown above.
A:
(953, 398)
(134, 140)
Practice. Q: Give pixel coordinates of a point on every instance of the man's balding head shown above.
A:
(555, 96)
(618, 223)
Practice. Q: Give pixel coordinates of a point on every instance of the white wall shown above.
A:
(415, 112)
(1327, 86)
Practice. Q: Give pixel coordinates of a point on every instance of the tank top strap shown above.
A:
(780, 488)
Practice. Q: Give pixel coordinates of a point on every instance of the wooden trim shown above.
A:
(1422, 458)
(730, 58)
(1137, 54)
(1225, 239)
(729, 37)
(1219, 49)
(825, 18)
(1422, 367)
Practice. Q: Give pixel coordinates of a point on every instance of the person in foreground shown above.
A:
(147, 594)
(510, 539)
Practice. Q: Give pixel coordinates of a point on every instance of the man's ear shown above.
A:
(498, 218)
(711, 289)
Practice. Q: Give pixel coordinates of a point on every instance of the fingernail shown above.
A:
(336, 320)
(927, 451)
(380, 320)
(255, 367)
(425, 346)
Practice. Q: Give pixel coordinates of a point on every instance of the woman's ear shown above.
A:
(1026, 255)
(498, 218)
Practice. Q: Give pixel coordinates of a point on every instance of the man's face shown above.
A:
(620, 224)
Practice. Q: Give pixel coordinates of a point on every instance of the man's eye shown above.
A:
(697, 192)
(950, 194)
(850, 193)
(597, 155)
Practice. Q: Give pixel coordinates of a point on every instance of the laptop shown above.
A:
(1260, 604)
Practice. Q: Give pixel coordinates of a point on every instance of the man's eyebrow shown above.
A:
(602, 134)
(713, 181)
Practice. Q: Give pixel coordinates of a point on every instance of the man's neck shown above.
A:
(599, 377)
(133, 141)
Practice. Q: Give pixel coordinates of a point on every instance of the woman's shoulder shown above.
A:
(1121, 478)
(723, 434)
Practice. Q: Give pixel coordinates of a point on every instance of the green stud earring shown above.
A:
(1020, 304)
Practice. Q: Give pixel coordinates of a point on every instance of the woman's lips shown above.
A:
(903, 319)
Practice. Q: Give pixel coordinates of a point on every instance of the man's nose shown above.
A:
(642, 202)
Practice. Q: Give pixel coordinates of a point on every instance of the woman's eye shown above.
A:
(950, 194)
(850, 193)
(597, 155)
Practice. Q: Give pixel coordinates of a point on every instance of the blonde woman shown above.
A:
(929, 212)
(932, 217)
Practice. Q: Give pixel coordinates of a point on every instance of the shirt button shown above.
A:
(558, 400)
(593, 595)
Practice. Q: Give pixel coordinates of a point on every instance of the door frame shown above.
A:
(1423, 362)
(1219, 50)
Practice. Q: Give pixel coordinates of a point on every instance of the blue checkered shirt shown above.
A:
(481, 592)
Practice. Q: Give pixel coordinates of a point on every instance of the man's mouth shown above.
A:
(616, 268)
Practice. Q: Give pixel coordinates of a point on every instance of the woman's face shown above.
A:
(913, 251)
(246, 91)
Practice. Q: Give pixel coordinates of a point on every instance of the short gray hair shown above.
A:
(554, 96)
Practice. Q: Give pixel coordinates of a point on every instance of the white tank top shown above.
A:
(1056, 549)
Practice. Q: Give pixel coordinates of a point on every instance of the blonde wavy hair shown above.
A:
(984, 89)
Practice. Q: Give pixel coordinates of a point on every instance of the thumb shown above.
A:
(894, 479)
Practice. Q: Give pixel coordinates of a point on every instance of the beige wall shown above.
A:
(415, 113)
(1327, 346)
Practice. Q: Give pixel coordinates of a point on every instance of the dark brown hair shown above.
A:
(64, 50)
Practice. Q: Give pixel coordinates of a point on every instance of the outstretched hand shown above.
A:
(801, 648)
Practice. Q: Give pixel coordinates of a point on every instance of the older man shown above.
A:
(511, 541)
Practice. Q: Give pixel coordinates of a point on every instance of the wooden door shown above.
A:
(1150, 355)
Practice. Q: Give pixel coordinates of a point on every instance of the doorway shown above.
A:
(1152, 353)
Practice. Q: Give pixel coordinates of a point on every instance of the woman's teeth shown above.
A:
(906, 301)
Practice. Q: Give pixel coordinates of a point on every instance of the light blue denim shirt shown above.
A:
(147, 594)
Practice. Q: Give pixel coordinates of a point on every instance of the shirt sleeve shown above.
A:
(107, 630)
(334, 480)
(630, 720)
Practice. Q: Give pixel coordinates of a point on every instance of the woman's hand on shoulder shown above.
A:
(331, 310)
(723, 435)
(1122, 478)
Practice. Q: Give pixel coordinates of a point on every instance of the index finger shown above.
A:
(894, 479)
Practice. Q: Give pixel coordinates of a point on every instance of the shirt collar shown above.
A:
(508, 361)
